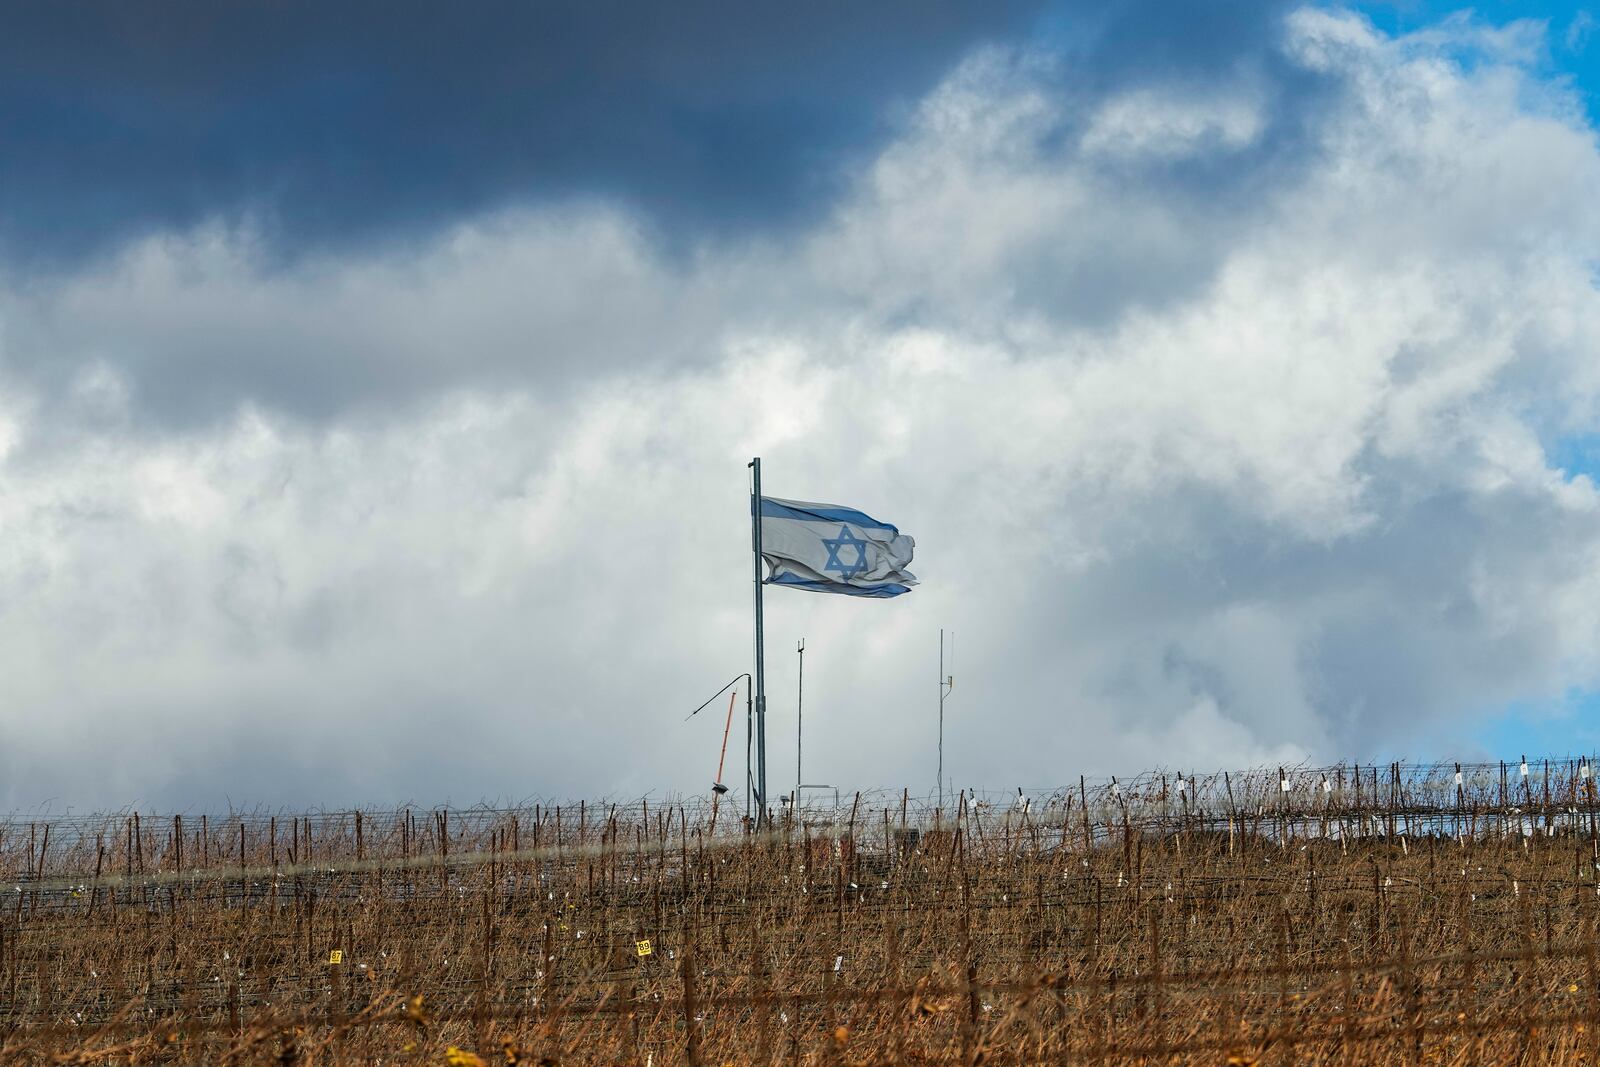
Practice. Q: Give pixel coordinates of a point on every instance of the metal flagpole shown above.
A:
(761, 666)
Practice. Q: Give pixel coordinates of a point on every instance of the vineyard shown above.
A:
(1396, 914)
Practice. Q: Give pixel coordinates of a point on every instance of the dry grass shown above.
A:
(1236, 921)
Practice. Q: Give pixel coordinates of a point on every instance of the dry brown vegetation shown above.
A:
(1386, 915)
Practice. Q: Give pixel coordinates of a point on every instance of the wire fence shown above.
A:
(1550, 796)
(1289, 913)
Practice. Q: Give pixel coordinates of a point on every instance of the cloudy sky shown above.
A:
(377, 384)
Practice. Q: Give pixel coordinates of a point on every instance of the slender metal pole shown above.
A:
(946, 683)
(761, 665)
(799, 721)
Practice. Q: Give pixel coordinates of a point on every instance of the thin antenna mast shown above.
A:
(946, 683)
(799, 721)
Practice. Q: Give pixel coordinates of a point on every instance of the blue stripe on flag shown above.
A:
(771, 509)
(880, 592)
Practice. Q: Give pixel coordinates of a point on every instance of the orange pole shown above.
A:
(715, 797)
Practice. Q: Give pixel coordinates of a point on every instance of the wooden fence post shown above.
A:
(691, 1040)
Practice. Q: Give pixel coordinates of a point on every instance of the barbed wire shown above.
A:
(497, 903)
(1282, 804)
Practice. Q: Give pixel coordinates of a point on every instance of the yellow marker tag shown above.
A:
(643, 947)
(336, 956)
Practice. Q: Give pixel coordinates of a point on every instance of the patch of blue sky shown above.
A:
(1576, 454)
(1567, 726)
(1572, 38)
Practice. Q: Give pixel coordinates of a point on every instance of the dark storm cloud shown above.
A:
(328, 121)
(1154, 38)
(325, 123)
(304, 130)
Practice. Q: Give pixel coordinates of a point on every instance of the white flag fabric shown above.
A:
(826, 548)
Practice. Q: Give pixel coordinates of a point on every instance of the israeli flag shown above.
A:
(829, 549)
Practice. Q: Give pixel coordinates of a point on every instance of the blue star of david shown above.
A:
(844, 540)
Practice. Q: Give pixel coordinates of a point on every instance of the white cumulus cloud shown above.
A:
(1202, 472)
